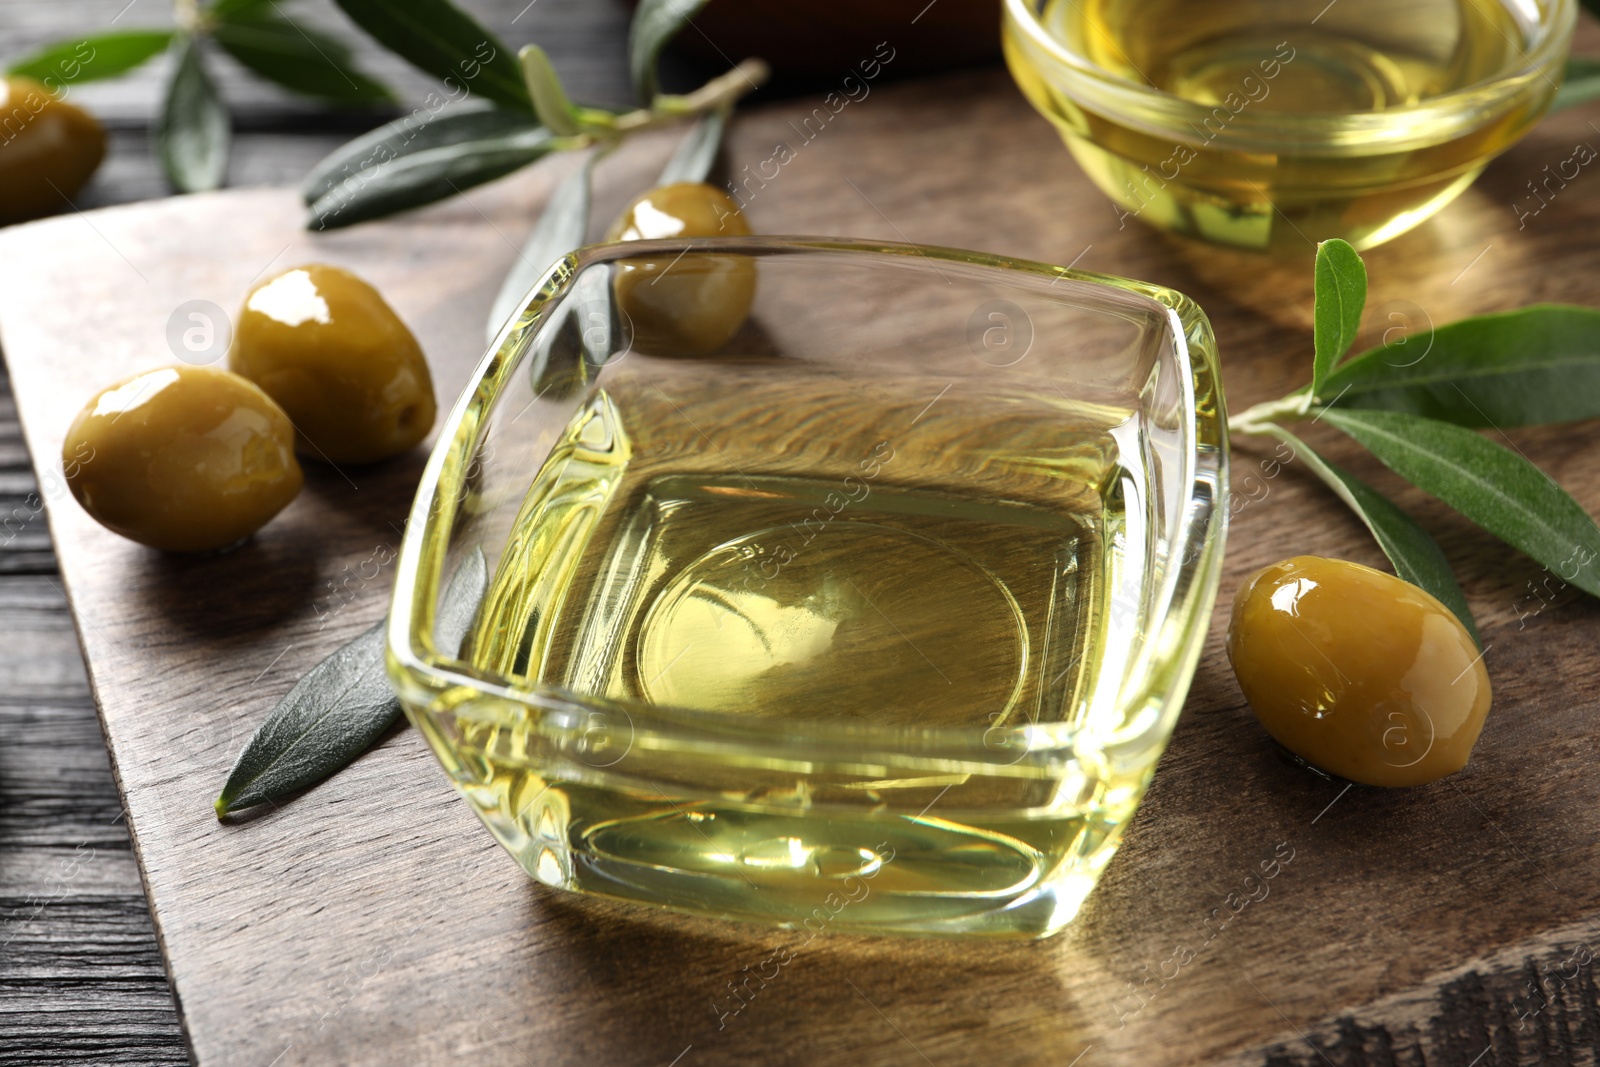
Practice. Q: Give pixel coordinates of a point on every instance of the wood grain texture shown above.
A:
(373, 921)
(68, 992)
(80, 974)
(71, 991)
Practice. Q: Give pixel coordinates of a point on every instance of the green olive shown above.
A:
(182, 458)
(48, 149)
(1357, 672)
(690, 305)
(338, 360)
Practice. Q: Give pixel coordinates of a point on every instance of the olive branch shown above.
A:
(1421, 418)
(500, 110)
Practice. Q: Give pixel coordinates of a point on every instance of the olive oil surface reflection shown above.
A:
(780, 544)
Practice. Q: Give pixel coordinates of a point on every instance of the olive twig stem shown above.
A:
(716, 93)
(1260, 418)
(578, 142)
(1320, 467)
(725, 88)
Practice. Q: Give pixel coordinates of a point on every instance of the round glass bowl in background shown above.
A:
(1272, 126)
(876, 614)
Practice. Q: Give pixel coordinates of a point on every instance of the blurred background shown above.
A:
(278, 135)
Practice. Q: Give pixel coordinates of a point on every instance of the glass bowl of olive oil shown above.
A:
(1274, 125)
(869, 606)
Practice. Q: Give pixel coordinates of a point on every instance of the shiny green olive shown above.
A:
(689, 305)
(48, 150)
(182, 458)
(338, 360)
(1357, 672)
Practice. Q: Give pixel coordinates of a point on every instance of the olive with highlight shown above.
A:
(1357, 672)
(182, 458)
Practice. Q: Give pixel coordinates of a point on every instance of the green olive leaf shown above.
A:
(1341, 293)
(332, 715)
(415, 133)
(560, 229)
(550, 101)
(697, 152)
(341, 707)
(299, 59)
(84, 59)
(439, 38)
(227, 9)
(422, 177)
(193, 130)
(1534, 366)
(655, 22)
(1417, 558)
(1493, 486)
(1580, 84)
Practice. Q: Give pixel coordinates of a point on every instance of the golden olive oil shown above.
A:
(769, 544)
(1307, 125)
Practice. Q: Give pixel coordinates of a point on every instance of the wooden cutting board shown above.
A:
(373, 921)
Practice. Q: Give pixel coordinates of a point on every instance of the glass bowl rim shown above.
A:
(1189, 593)
(1458, 110)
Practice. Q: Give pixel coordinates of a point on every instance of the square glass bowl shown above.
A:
(870, 609)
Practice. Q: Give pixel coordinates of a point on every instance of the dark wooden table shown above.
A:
(81, 978)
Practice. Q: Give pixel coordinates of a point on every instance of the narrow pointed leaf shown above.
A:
(655, 22)
(1341, 293)
(298, 58)
(424, 177)
(1417, 558)
(550, 101)
(193, 131)
(340, 708)
(410, 135)
(560, 229)
(439, 38)
(227, 9)
(697, 152)
(1533, 366)
(1581, 83)
(84, 59)
(1493, 486)
(332, 715)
